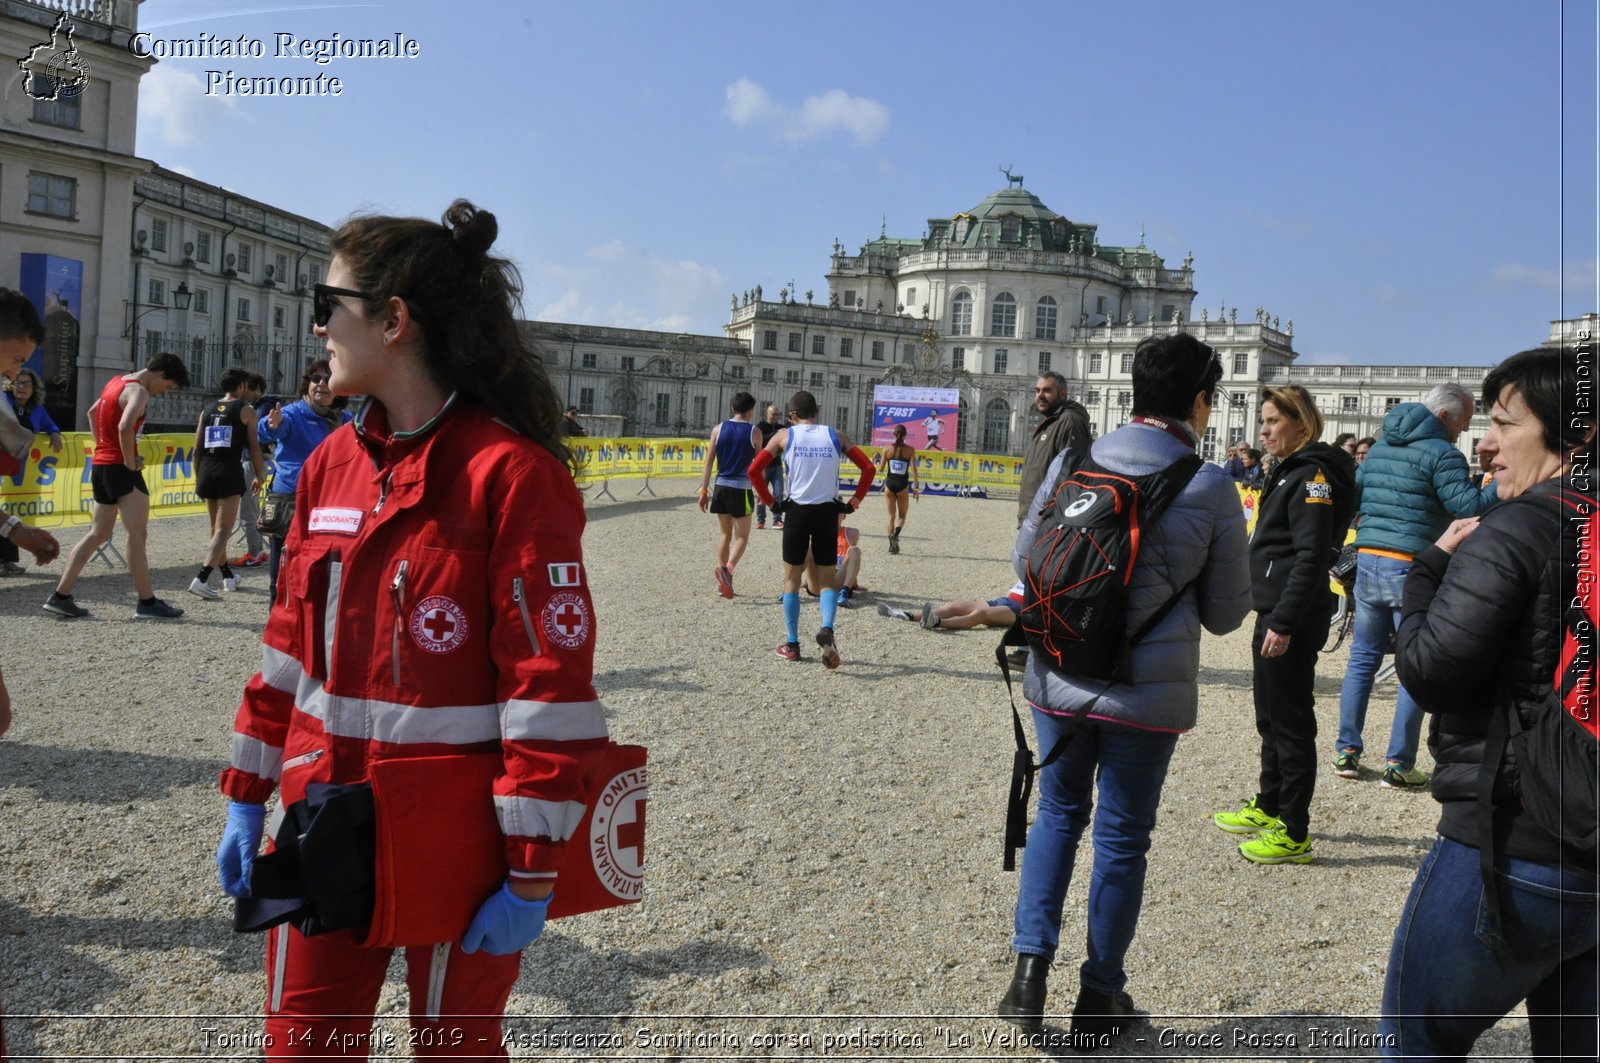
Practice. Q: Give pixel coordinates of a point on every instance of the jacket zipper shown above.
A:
(397, 590)
(522, 608)
(383, 493)
(303, 759)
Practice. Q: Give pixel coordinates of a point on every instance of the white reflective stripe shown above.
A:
(529, 817)
(441, 956)
(275, 821)
(279, 670)
(280, 959)
(330, 615)
(557, 721)
(256, 757)
(386, 721)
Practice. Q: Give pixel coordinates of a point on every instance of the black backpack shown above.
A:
(1075, 593)
(1556, 742)
(1075, 596)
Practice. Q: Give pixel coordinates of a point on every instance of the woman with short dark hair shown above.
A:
(1480, 639)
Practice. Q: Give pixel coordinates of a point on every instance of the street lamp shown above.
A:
(180, 301)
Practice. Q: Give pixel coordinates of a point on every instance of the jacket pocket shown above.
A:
(521, 600)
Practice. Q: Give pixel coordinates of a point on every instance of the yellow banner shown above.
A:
(52, 491)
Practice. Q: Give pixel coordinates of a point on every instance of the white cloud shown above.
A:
(174, 102)
(624, 287)
(748, 105)
(1577, 278)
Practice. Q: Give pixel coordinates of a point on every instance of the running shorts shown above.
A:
(218, 479)
(734, 501)
(811, 531)
(111, 482)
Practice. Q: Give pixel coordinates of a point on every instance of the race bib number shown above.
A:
(218, 436)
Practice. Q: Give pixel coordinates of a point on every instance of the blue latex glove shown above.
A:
(241, 839)
(505, 924)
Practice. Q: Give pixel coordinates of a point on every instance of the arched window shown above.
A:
(961, 314)
(1044, 319)
(996, 426)
(1003, 318)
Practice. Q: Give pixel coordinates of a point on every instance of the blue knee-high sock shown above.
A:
(830, 605)
(791, 615)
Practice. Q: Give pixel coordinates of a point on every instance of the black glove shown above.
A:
(842, 506)
(779, 506)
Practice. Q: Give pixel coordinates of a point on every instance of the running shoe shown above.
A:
(1276, 847)
(893, 613)
(201, 589)
(231, 583)
(11, 568)
(761, 525)
(830, 652)
(789, 651)
(894, 543)
(63, 605)
(1397, 778)
(928, 619)
(1248, 820)
(1347, 765)
(250, 560)
(157, 609)
(724, 581)
(777, 524)
(844, 598)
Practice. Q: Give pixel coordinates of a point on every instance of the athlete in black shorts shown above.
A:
(226, 430)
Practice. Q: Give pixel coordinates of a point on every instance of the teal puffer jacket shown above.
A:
(1414, 483)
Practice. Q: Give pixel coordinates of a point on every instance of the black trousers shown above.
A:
(1286, 720)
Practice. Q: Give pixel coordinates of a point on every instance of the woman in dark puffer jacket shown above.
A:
(1481, 628)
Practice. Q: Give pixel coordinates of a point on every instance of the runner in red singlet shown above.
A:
(118, 484)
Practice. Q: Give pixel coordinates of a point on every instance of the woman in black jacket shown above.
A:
(1480, 632)
(1304, 511)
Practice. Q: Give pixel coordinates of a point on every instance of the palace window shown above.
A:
(1097, 362)
(202, 300)
(586, 400)
(663, 408)
(1001, 356)
(769, 376)
(877, 350)
(157, 293)
(1349, 404)
(52, 195)
(591, 360)
(961, 314)
(1044, 362)
(1003, 317)
(1241, 363)
(958, 358)
(1044, 319)
(1127, 361)
(769, 340)
(202, 247)
(847, 347)
(66, 110)
(794, 343)
(819, 345)
(158, 234)
(243, 310)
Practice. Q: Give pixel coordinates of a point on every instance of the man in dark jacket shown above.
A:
(1413, 482)
(1065, 424)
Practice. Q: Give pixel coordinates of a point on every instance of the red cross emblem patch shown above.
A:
(566, 620)
(438, 624)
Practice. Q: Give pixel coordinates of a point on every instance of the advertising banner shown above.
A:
(931, 416)
(55, 287)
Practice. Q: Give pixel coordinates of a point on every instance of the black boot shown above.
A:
(1098, 1019)
(1023, 1003)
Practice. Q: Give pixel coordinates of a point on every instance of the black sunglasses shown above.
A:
(318, 378)
(322, 301)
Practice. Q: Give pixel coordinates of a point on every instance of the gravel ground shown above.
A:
(824, 848)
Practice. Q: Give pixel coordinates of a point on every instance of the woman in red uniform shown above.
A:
(436, 607)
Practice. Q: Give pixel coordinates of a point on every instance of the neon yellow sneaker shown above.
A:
(1248, 820)
(1276, 847)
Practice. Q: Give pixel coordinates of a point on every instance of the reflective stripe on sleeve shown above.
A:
(555, 721)
(255, 757)
(529, 817)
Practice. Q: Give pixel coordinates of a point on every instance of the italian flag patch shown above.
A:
(565, 574)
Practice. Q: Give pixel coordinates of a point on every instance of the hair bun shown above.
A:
(474, 230)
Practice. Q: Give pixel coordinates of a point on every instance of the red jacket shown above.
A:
(433, 601)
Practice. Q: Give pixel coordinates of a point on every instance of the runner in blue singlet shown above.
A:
(733, 444)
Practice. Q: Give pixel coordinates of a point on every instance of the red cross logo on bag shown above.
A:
(438, 624)
(566, 620)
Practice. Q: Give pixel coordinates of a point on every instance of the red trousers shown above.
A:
(322, 991)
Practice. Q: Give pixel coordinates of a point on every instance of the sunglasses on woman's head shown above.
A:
(322, 301)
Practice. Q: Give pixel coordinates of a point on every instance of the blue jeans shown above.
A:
(1445, 986)
(1132, 767)
(774, 477)
(1380, 581)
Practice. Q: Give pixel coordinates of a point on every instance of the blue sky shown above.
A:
(1408, 181)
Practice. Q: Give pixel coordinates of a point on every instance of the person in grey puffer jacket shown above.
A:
(1120, 751)
(1413, 482)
